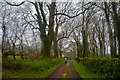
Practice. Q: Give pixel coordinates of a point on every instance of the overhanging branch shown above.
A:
(77, 14)
(69, 33)
(18, 4)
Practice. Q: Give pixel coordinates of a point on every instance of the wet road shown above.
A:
(65, 71)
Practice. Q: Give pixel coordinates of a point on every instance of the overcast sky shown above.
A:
(75, 1)
(18, 1)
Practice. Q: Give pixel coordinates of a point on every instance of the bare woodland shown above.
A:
(84, 29)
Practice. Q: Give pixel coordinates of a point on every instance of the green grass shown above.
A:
(83, 71)
(16, 57)
(37, 68)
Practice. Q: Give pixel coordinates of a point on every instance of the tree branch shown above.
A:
(18, 4)
(98, 6)
(43, 14)
(69, 33)
(77, 14)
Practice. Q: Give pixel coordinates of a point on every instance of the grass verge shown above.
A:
(83, 71)
(26, 68)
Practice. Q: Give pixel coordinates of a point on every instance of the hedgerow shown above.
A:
(110, 68)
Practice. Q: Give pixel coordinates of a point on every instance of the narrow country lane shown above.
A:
(65, 71)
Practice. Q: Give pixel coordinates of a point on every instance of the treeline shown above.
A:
(45, 28)
(99, 31)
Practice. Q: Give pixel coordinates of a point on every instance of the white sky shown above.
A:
(75, 1)
(18, 1)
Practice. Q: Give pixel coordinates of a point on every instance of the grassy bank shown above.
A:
(27, 68)
(108, 67)
(83, 71)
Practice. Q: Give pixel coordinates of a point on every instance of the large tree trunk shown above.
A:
(55, 48)
(86, 41)
(22, 52)
(100, 42)
(96, 50)
(47, 39)
(55, 40)
(103, 38)
(117, 26)
(83, 44)
(46, 46)
(109, 30)
(13, 51)
(83, 35)
(60, 54)
(3, 38)
(115, 40)
(21, 47)
(78, 50)
(60, 48)
(119, 39)
(51, 24)
(101, 49)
